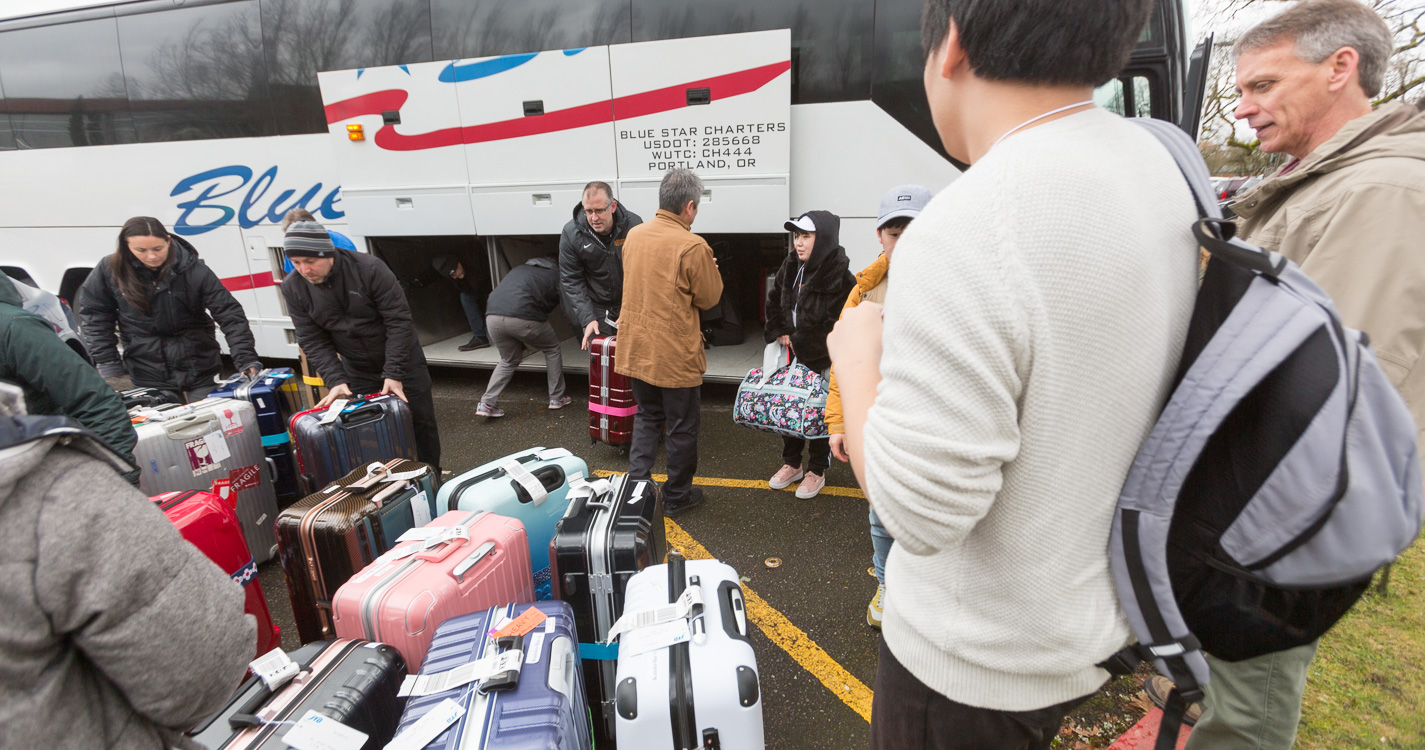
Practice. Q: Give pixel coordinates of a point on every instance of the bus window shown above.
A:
(899, 88)
(196, 73)
(7, 136)
(1136, 103)
(303, 37)
(76, 95)
(831, 39)
(484, 28)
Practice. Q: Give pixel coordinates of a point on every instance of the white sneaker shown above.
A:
(784, 477)
(561, 402)
(876, 611)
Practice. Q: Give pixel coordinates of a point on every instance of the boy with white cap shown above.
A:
(899, 206)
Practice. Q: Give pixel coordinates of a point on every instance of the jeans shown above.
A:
(676, 412)
(818, 453)
(906, 714)
(1253, 704)
(881, 543)
(473, 314)
(510, 336)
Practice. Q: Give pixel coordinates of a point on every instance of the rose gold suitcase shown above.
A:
(403, 595)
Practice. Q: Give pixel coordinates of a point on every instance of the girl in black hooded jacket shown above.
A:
(155, 295)
(807, 296)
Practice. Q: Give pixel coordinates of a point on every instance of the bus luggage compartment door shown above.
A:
(397, 139)
(537, 127)
(718, 105)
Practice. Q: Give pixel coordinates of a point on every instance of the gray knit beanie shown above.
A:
(308, 239)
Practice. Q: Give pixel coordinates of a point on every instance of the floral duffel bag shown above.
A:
(789, 400)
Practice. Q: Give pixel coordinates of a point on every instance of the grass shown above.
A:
(1366, 688)
(1367, 685)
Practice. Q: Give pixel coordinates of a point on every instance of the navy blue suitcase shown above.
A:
(275, 397)
(545, 708)
(372, 429)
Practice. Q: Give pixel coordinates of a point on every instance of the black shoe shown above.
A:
(673, 508)
(475, 342)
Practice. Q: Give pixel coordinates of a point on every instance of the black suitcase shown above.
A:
(612, 530)
(145, 397)
(353, 682)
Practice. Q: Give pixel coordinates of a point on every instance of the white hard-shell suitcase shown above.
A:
(189, 447)
(700, 693)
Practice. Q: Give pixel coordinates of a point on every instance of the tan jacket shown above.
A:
(1352, 215)
(870, 278)
(668, 276)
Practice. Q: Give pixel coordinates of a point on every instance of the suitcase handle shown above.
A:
(475, 557)
(446, 549)
(362, 414)
(734, 610)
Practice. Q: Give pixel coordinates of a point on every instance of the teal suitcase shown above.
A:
(531, 485)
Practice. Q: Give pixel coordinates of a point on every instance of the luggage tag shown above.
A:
(493, 672)
(691, 596)
(423, 732)
(549, 454)
(334, 410)
(516, 471)
(317, 732)
(654, 637)
(275, 668)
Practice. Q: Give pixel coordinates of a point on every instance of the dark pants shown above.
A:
(906, 715)
(192, 395)
(473, 316)
(818, 450)
(676, 412)
(417, 386)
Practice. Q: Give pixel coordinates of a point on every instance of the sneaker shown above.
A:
(481, 410)
(811, 484)
(561, 402)
(876, 609)
(475, 342)
(1157, 687)
(784, 477)
(695, 497)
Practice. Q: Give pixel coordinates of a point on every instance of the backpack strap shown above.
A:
(1213, 232)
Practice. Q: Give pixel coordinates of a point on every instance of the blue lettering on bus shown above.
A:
(204, 213)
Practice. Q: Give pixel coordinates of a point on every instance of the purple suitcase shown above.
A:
(545, 708)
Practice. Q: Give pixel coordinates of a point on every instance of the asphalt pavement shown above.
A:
(820, 658)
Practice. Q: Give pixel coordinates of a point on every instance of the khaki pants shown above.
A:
(510, 336)
(1253, 704)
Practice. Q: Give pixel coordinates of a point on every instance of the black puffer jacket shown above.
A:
(358, 312)
(590, 267)
(530, 291)
(174, 346)
(818, 300)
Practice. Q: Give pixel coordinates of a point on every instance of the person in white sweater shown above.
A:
(1030, 337)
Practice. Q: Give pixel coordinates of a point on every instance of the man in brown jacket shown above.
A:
(1349, 208)
(668, 276)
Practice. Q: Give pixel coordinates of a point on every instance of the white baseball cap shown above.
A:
(903, 200)
(803, 224)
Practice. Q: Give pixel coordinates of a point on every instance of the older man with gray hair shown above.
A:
(1349, 208)
(669, 274)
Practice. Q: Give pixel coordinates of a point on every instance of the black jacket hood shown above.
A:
(828, 239)
(182, 256)
(622, 220)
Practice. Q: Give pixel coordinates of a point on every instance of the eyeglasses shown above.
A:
(590, 211)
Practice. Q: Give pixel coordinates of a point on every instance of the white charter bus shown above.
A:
(480, 120)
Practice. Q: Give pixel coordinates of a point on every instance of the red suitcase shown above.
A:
(611, 404)
(210, 524)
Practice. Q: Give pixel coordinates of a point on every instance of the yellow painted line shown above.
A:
(752, 484)
(782, 632)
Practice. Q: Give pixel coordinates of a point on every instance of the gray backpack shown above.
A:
(1281, 474)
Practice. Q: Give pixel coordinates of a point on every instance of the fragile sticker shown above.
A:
(230, 422)
(200, 457)
(245, 478)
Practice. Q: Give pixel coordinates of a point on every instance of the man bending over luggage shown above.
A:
(519, 318)
(117, 633)
(669, 275)
(1012, 391)
(355, 326)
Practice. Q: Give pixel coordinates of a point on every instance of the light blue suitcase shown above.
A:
(531, 485)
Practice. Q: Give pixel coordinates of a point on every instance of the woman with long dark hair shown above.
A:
(156, 296)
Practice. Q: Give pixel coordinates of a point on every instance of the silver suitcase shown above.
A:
(189, 447)
(700, 693)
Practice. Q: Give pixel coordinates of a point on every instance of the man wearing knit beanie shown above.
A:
(354, 324)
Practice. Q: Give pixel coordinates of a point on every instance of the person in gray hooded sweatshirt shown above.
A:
(114, 631)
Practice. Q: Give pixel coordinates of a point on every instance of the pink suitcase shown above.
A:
(403, 595)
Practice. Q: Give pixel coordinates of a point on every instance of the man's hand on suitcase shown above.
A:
(589, 330)
(394, 386)
(336, 392)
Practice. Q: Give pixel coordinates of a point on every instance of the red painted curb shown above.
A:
(1144, 734)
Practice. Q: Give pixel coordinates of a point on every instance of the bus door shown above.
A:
(718, 105)
(398, 147)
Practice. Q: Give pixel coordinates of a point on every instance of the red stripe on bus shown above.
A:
(253, 281)
(597, 113)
